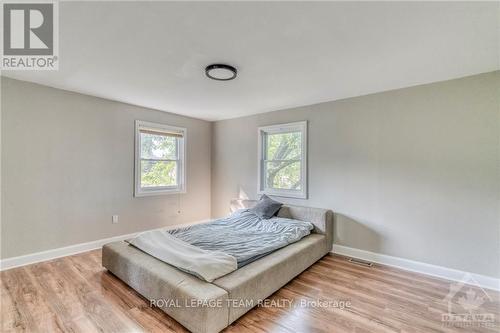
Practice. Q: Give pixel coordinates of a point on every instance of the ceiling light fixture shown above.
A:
(220, 72)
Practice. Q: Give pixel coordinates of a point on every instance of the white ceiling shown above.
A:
(153, 54)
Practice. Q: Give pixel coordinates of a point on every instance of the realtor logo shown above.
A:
(467, 305)
(29, 36)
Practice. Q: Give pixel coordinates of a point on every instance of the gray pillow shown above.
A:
(266, 207)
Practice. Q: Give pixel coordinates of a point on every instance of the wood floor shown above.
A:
(75, 294)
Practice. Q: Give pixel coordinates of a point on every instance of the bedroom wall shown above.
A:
(67, 167)
(411, 173)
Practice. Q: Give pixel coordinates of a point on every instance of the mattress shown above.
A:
(244, 235)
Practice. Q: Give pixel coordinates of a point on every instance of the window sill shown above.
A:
(285, 194)
(149, 193)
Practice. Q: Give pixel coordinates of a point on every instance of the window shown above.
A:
(159, 159)
(283, 160)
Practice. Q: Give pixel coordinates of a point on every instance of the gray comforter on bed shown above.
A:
(243, 235)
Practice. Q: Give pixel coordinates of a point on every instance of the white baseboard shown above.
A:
(406, 264)
(418, 267)
(33, 258)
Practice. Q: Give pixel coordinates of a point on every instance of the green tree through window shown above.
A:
(158, 160)
(283, 160)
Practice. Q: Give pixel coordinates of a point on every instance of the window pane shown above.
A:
(283, 175)
(284, 146)
(158, 173)
(158, 146)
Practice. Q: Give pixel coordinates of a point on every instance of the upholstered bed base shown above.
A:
(204, 307)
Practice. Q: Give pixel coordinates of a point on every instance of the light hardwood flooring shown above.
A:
(75, 294)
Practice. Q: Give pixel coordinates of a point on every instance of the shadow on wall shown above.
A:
(242, 194)
(347, 230)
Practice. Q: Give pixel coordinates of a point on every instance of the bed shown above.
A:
(209, 307)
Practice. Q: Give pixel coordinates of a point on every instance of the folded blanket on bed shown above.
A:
(207, 265)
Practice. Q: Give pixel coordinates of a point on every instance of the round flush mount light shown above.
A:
(220, 72)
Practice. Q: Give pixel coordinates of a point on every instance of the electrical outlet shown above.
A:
(114, 219)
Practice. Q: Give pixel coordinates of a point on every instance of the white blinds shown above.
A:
(161, 132)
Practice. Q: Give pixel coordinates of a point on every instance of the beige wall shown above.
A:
(68, 166)
(412, 173)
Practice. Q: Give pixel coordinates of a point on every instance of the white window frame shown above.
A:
(181, 162)
(300, 126)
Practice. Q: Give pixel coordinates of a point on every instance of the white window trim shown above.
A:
(181, 188)
(283, 128)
